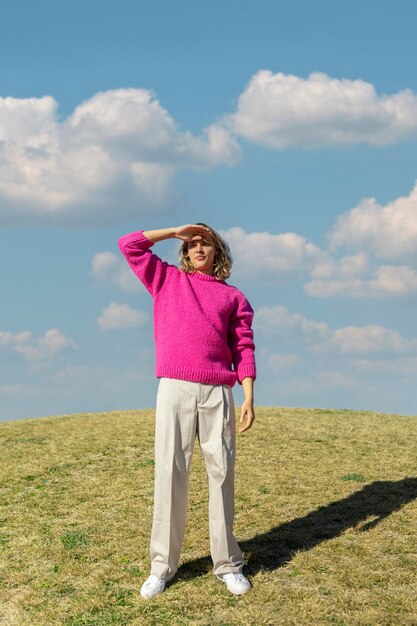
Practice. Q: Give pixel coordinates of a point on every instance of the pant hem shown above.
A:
(235, 570)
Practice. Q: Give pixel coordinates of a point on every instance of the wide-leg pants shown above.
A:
(185, 410)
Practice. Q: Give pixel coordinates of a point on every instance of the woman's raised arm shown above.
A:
(184, 232)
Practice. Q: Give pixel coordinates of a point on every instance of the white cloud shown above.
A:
(108, 268)
(278, 321)
(368, 339)
(283, 111)
(27, 121)
(138, 128)
(380, 232)
(335, 380)
(346, 267)
(275, 363)
(399, 366)
(274, 258)
(269, 257)
(385, 281)
(389, 232)
(121, 316)
(45, 347)
(114, 156)
(17, 390)
(71, 372)
(10, 339)
(117, 154)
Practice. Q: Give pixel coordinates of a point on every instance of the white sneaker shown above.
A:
(152, 586)
(236, 583)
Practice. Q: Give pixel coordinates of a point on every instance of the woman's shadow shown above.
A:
(363, 510)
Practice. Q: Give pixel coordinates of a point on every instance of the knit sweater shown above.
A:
(202, 326)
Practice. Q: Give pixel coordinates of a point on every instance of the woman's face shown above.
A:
(201, 252)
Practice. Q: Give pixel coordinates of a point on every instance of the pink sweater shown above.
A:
(202, 326)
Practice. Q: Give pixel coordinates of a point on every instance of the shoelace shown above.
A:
(237, 577)
(153, 580)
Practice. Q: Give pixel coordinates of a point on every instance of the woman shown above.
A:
(204, 344)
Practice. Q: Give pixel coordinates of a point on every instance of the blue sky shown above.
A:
(291, 127)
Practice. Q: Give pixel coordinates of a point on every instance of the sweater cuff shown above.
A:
(244, 371)
(136, 238)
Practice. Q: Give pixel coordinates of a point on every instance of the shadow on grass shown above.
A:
(362, 510)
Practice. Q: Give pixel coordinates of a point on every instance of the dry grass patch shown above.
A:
(325, 513)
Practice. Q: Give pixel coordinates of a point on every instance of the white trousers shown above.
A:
(183, 410)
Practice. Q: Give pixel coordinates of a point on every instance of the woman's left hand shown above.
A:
(247, 415)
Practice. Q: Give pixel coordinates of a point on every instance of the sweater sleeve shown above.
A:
(148, 267)
(241, 341)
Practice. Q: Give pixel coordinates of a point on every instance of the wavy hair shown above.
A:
(223, 261)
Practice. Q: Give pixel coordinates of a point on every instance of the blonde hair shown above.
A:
(223, 261)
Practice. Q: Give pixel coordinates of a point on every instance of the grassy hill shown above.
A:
(325, 513)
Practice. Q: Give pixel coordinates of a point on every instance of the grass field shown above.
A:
(325, 513)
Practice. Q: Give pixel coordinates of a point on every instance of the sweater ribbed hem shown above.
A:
(208, 377)
(135, 238)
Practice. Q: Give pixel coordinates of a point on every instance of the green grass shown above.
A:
(325, 514)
